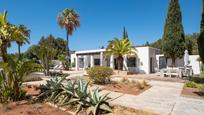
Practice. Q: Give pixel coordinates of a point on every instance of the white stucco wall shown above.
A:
(143, 59)
(194, 63)
(73, 56)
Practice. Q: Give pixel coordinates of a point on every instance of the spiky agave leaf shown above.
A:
(98, 102)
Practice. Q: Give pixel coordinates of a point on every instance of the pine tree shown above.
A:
(201, 37)
(173, 42)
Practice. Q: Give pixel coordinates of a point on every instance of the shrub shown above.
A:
(191, 84)
(100, 74)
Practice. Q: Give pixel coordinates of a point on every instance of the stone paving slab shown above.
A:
(162, 98)
(188, 106)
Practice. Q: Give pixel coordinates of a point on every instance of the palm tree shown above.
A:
(120, 48)
(23, 34)
(6, 35)
(69, 20)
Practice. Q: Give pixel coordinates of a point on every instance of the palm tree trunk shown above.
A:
(120, 63)
(4, 52)
(68, 55)
(19, 50)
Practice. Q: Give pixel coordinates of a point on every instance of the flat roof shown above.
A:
(90, 51)
(103, 50)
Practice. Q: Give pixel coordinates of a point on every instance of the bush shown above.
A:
(191, 84)
(100, 74)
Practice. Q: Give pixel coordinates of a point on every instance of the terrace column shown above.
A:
(92, 60)
(101, 59)
(85, 62)
(76, 64)
(125, 63)
(112, 62)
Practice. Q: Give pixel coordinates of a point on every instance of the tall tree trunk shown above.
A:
(68, 54)
(173, 61)
(120, 63)
(19, 50)
(4, 52)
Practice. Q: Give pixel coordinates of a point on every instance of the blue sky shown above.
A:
(101, 20)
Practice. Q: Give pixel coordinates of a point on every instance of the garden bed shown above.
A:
(126, 88)
(30, 109)
(31, 90)
(192, 92)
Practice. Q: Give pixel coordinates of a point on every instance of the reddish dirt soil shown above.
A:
(192, 92)
(30, 109)
(125, 88)
(31, 90)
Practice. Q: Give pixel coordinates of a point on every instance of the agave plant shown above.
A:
(75, 93)
(68, 91)
(11, 78)
(80, 95)
(98, 103)
(51, 89)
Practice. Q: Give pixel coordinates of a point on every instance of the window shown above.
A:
(131, 62)
(97, 62)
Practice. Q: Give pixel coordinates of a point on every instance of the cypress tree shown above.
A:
(201, 37)
(125, 34)
(173, 42)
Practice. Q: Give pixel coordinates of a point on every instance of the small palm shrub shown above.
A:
(64, 61)
(12, 77)
(190, 84)
(74, 93)
(100, 74)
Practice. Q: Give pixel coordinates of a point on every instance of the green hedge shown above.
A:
(100, 74)
(190, 84)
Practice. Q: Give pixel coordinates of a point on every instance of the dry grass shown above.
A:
(127, 111)
(141, 84)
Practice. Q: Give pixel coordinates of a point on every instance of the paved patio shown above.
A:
(162, 98)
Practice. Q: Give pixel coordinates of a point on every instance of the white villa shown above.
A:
(148, 60)
(144, 62)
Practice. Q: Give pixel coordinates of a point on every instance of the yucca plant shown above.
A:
(98, 103)
(11, 78)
